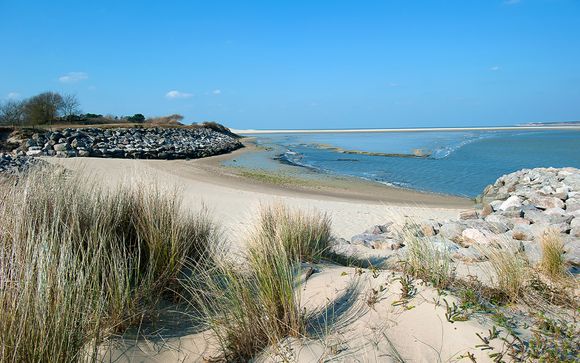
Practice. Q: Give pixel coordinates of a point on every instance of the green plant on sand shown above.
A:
(255, 303)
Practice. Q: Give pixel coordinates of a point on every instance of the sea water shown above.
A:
(458, 162)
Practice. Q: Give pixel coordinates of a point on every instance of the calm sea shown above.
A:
(460, 162)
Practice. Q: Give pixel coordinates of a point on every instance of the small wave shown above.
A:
(445, 151)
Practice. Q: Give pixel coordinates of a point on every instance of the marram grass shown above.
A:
(255, 304)
(79, 262)
(552, 260)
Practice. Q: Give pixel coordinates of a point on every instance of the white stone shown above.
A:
(512, 201)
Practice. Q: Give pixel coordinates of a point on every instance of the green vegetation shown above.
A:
(552, 262)
(304, 237)
(256, 305)
(55, 108)
(273, 178)
(425, 259)
(509, 269)
(79, 263)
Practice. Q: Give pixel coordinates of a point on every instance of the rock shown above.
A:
(511, 202)
(512, 212)
(442, 244)
(472, 236)
(14, 164)
(429, 228)
(379, 229)
(532, 251)
(486, 210)
(522, 232)
(152, 143)
(572, 205)
(575, 232)
(572, 252)
(468, 214)
(452, 231)
(536, 216)
(468, 255)
(546, 202)
(61, 147)
(371, 241)
(496, 204)
(562, 192)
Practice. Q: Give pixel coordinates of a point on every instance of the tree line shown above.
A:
(52, 107)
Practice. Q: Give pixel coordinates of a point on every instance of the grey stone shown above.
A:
(546, 202)
(61, 147)
(511, 202)
(452, 231)
(522, 232)
(468, 214)
(536, 216)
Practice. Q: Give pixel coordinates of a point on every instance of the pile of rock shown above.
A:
(135, 143)
(518, 208)
(11, 163)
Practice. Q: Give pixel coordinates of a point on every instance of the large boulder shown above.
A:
(512, 202)
(545, 202)
(471, 236)
(452, 231)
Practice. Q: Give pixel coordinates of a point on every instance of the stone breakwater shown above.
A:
(518, 209)
(10, 163)
(134, 143)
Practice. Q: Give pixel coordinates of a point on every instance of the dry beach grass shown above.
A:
(79, 263)
(82, 261)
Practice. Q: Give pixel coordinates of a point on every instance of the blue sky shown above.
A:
(301, 64)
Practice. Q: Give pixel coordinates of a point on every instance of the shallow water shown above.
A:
(460, 162)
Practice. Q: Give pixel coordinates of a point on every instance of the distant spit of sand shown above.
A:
(429, 129)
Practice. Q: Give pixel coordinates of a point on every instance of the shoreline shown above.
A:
(322, 185)
(389, 130)
(233, 198)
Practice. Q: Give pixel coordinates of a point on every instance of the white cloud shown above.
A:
(13, 96)
(176, 94)
(393, 84)
(512, 2)
(216, 91)
(73, 77)
(494, 68)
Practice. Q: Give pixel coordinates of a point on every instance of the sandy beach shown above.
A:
(233, 199)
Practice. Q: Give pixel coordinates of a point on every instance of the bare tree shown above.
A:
(12, 112)
(43, 108)
(70, 106)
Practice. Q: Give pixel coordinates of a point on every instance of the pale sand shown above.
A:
(233, 200)
(419, 334)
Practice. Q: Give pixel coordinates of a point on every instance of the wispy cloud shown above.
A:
(512, 2)
(177, 94)
(73, 77)
(13, 96)
(393, 84)
(216, 91)
(494, 68)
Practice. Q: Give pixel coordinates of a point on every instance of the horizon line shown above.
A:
(414, 129)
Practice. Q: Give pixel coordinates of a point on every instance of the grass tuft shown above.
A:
(304, 236)
(426, 259)
(255, 303)
(552, 262)
(509, 268)
(79, 262)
